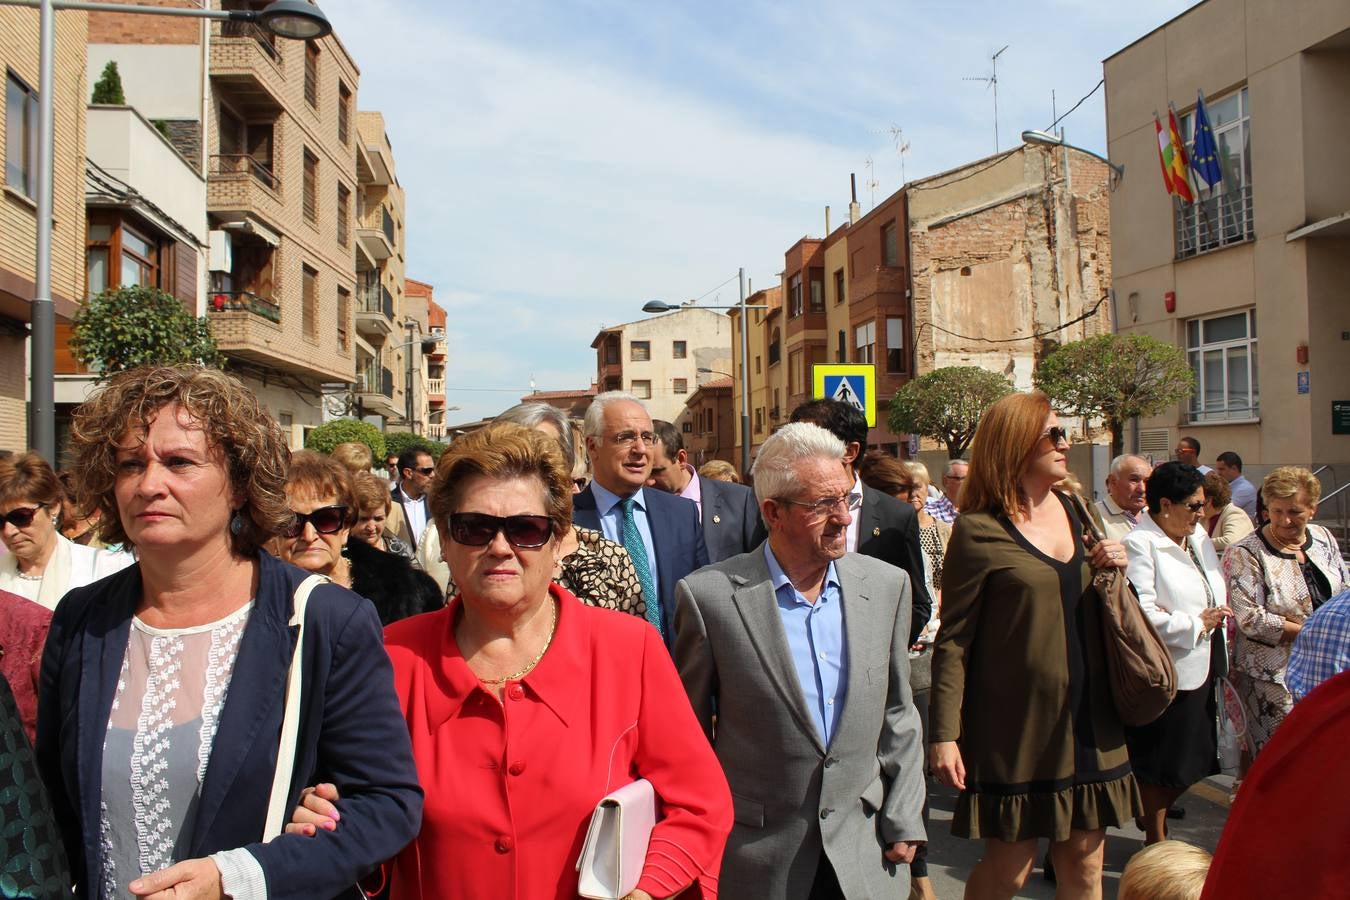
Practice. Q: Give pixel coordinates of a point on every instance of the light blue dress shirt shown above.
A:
(611, 524)
(815, 639)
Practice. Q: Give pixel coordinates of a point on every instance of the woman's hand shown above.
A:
(188, 880)
(316, 810)
(944, 758)
(1107, 553)
(1213, 618)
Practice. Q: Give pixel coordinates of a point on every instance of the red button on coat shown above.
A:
(516, 768)
(515, 692)
(504, 844)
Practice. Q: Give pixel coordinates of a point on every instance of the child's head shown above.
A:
(1167, 870)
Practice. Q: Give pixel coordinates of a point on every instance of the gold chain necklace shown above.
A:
(529, 667)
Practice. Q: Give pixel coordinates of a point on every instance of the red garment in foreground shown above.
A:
(23, 632)
(1288, 833)
(510, 785)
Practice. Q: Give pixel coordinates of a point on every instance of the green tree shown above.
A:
(946, 404)
(339, 431)
(1115, 377)
(396, 442)
(108, 88)
(133, 326)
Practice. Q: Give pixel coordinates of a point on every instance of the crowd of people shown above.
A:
(254, 673)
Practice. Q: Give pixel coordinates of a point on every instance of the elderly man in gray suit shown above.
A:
(795, 659)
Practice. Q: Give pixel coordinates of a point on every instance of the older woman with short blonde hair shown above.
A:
(1277, 576)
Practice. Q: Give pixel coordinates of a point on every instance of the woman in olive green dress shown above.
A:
(1021, 718)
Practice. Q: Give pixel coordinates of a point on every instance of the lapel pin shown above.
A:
(876, 532)
(717, 520)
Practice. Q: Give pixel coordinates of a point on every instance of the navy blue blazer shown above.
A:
(352, 732)
(732, 524)
(676, 535)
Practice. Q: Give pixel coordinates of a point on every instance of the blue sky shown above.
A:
(566, 161)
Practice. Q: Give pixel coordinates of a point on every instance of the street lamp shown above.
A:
(659, 306)
(1046, 138)
(295, 19)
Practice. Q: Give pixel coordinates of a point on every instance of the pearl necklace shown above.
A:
(516, 676)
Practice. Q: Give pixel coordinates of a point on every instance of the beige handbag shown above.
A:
(616, 842)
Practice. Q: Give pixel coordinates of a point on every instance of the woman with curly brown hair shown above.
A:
(164, 687)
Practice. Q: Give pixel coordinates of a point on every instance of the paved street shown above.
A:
(951, 859)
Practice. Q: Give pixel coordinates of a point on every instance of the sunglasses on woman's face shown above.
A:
(325, 519)
(1056, 435)
(479, 529)
(21, 517)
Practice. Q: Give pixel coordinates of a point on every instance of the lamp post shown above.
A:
(294, 19)
(1046, 138)
(659, 306)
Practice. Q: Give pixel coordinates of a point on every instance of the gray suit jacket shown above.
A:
(732, 524)
(794, 797)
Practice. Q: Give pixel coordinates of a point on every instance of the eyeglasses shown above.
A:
(479, 530)
(325, 519)
(425, 470)
(629, 438)
(826, 505)
(1056, 435)
(20, 517)
(1195, 506)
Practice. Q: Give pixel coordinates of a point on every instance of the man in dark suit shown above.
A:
(732, 524)
(884, 527)
(660, 532)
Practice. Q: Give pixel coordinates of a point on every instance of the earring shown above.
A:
(236, 523)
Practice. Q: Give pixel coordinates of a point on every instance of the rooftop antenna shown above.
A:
(872, 182)
(901, 148)
(991, 81)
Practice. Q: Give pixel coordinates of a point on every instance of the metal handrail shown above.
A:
(242, 163)
(245, 301)
(1214, 222)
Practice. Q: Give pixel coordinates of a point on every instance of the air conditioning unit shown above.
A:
(220, 256)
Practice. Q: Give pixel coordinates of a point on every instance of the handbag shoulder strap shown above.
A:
(1085, 517)
(278, 804)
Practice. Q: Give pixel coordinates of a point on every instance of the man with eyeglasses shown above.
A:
(730, 516)
(882, 526)
(795, 659)
(1188, 451)
(415, 467)
(660, 531)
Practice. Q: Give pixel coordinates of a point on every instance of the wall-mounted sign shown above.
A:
(1340, 416)
(1303, 382)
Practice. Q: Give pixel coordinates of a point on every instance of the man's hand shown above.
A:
(192, 879)
(316, 810)
(902, 851)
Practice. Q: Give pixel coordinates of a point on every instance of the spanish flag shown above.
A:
(1180, 163)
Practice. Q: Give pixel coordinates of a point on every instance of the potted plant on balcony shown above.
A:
(126, 327)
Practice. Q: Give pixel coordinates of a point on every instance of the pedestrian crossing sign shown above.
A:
(852, 384)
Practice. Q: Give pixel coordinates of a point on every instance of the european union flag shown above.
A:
(1204, 150)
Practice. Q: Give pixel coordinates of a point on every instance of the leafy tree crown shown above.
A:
(1116, 376)
(108, 88)
(131, 326)
(946, 404)
(396, 442)
(339, 431)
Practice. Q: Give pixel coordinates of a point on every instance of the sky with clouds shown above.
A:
(567, 161)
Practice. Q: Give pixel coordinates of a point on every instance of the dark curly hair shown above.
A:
(249, 440)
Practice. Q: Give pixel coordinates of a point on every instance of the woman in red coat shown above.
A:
(526, 707)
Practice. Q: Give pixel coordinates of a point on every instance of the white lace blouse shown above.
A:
(169, 697)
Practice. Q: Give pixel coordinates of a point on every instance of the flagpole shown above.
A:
(1190, 173)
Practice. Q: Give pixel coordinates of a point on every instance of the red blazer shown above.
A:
(510, 785)
(23, 632)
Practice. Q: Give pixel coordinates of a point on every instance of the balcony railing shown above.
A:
(245, 301)
(387, 383)
(388, 225)
(435, 385)
(1216, 222)
(243, 164)
(265, 38)
(370, 300)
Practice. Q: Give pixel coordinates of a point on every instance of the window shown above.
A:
(795, 296)
(1224, 215)
(681, 385)
(642, 390)
(795, 372)
(138, 260)
(1222, 354)
(611, 352)
(21, 133)
(117, 255)
(344, 305)
(688, 427)
(312, 74)
(344, 112)
(309, 311)
(865, 338)
(890, 253)
(817, 290)
(679, 349)
(311, 187)
(758, 368)
(841, 351)
(759, 420)
(344, 207)
(895, 344)
(97, 258)
(640, 351)
(775, 350)
(839, 286)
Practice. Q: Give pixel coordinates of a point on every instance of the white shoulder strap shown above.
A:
(278, 805)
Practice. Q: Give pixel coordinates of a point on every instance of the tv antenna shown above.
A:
(872, 182)
(901, 148)
(991, 81)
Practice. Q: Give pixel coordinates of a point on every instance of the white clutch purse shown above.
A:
(616, 842)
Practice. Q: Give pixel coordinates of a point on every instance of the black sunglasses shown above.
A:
(425, 470)
(325, 519)
(479, 529)
(21, 517)
(1056, 435)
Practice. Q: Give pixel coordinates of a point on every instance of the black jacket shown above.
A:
(390, 582)
(889, 531)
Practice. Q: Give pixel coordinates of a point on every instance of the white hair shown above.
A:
(917, 469)
(532, 413)
(774, 468)
(950, 469)
(594, 423)
(1119, 462)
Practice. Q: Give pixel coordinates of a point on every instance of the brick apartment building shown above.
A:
(663, 358)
